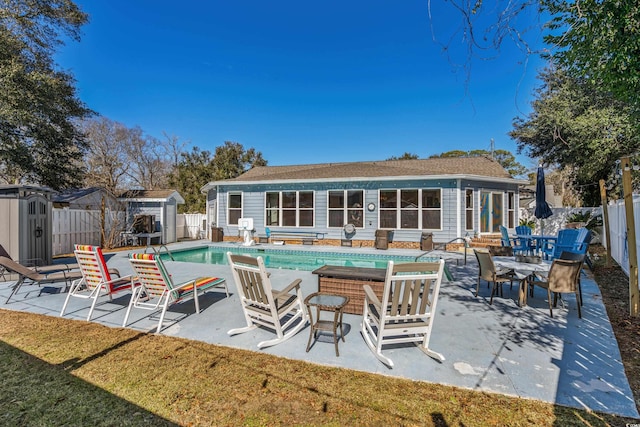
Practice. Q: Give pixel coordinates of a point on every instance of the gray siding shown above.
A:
(452, 203)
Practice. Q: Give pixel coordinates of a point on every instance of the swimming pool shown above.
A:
(289, 259)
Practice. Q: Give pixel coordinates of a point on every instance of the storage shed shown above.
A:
(25, 218)
(161, 205)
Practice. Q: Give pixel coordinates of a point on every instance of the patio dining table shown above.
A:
(522, 270)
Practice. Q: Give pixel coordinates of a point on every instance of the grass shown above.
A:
(62, 372)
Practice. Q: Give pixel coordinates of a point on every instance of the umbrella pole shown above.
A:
(542, 242)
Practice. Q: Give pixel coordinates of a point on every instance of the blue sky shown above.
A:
(300, 81)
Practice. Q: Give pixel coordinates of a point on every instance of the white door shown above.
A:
(171, 224)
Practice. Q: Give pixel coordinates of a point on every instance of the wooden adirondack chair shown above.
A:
(281, 311)
(407, 309)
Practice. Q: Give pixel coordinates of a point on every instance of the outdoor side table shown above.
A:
(330, 303)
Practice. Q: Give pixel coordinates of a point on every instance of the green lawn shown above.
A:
(63, 372)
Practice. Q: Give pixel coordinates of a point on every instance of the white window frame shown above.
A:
(511, 211)
(420, 209)
(469, 209)
(280, 209)
(345, 208)
(229, 208)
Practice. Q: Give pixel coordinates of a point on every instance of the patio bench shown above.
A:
(306, 237)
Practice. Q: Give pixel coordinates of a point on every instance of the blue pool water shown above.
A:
(289, 259)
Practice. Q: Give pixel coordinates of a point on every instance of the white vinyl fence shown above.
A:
(71, 226)
(191, 226)
(559, 219)
(618, 230)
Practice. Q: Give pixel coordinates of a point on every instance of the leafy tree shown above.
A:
(598, 42)
(198, 167)
(193, 170)
(39, 138)
(452, 153)
(504, 157)
(574, 126)
(231, 160)
(405, 156)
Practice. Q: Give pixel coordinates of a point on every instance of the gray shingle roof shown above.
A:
(480, 166)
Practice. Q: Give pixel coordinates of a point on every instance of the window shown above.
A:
(431, 210)
(410, 209)
(468, 209)
(289, 209)
(388, 208)
(346, 207)
(234, 208)
(511, 209)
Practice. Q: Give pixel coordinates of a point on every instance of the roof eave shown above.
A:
(213, 184)
(175, 195)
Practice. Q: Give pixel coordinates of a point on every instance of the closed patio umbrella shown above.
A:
(542, 207)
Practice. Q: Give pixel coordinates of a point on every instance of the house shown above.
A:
(445, 197)
(155, 210)
(90, 198)
(528, 197)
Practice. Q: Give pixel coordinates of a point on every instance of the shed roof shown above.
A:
(151, 196)
(435, 167)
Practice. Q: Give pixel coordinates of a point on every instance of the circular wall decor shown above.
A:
(371, 207)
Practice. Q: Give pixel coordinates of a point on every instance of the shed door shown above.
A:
(37, 228)
(170, 228)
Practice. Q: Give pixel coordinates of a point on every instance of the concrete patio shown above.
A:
(499, 348)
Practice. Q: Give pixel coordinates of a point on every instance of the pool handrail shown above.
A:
(441, 245)
(157, 251)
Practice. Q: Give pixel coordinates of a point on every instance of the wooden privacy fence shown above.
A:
(71, 226)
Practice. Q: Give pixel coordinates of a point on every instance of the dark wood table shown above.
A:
(349, 282)
(330, 303)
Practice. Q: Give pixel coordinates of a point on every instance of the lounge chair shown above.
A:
(96, 278)
(30, 276)
(281, 311)
(156, 288)
(407, 309)
(33, 265)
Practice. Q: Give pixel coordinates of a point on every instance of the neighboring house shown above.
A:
(447, 197)
(528, 197)
(84, 198)
(161, 205)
